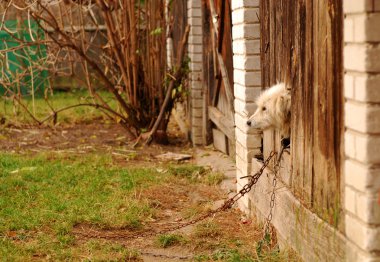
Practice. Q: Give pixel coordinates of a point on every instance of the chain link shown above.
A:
(252, 180)
(276, 169)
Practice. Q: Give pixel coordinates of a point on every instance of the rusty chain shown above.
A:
(252, 180)
(268, 219)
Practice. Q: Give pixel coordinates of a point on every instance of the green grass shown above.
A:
(225, 254)
(68, 192)
(13, 111)
(168, 240)
(197, 174)
(43, 198)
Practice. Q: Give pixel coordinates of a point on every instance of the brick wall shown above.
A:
(194, 16)
(362, 135)
(247, 82)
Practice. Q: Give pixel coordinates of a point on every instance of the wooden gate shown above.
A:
(218, 73)
(302, 45)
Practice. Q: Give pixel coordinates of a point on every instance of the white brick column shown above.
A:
(194, 17)
(247, 83)
(362, 135)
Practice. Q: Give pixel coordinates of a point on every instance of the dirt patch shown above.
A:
(83, 138)
(80, 136)
(228, 234)
(226, 230)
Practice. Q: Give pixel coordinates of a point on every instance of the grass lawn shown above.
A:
(12, 111)
(43, 197)
(60, 182)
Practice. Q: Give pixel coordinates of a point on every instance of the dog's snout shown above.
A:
(249, 122)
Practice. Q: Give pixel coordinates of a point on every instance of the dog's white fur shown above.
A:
(273, 110)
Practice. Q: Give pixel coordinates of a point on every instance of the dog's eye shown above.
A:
(264, 108)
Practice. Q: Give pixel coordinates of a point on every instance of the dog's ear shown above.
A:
(284, 105)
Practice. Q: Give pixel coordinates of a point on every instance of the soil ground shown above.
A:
(227, 236)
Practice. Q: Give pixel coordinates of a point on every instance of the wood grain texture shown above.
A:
(222, 122)
(218, 53)
(302, 46)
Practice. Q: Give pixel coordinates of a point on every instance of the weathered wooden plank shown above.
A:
(302, 45)
(224, 48)
(264, 42)
(220, 141)
(327, 113)
(222, 122)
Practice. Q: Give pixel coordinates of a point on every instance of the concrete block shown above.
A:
(350, 200)
(246, 31)
(366, 28)
(196, 76)
(367, 87)
(244, 108)
(194, 12)
(195, 39)
(194, 4)
(194, 66)
(235, 4)
(195, 49)
(243, 62)
(368, 208)
(247, 79)
(349, 86)
(364, 178)
(366, 237)
(348, 29)
(349, 144)
(250, 141)
(362, 117)
(245, 15)
(367, 148)
(195, 30)
(197, 103)
(194, 21)
(357, 6)
(246, 47)
(248, 94)
(196, 58)
(362, 57)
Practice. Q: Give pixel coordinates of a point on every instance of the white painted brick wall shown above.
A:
(247, 78)
(246, 47)
(362, 117)
(365, 236)
(245, 15)
(246, 31)
(194, 18)
(236, 4)
(362, 177)
(362, 205)
(362, 147)
(362, 135)
(251, 141)
(246, 93)
(362, 87)
(367, 57)
(244, 62)
(245, 108)
(247, 85)
(358, 6)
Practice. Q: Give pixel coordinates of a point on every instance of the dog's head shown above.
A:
(273, 108)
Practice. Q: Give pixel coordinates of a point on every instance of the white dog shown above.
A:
(273, 110)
